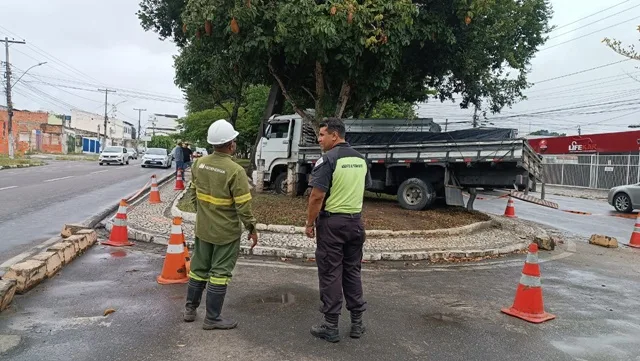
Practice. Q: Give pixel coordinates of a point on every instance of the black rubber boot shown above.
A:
(328, 330)
(357, 327)
(215, 300)
(194, 296)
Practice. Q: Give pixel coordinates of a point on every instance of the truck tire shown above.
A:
(280, 184)
(415, 194)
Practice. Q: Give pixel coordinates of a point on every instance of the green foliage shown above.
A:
(162, 141)
(341, 57)
(195, 125)
(393, 110)
(616, 45)
(545, 132)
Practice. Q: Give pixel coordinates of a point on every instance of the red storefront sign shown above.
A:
(612, 143)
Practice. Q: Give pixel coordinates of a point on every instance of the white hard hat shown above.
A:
(221, 132)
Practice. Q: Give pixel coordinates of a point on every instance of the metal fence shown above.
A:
(592, 171)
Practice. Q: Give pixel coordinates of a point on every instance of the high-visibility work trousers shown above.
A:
(214, 263)
(340, 239)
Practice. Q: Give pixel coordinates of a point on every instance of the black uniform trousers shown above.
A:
(340, 239)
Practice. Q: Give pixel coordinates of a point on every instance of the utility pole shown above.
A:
(579, 130)
(106, 116)
(9, 103)
(446, 124)
(139, 117)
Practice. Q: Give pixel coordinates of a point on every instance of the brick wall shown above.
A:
(24, 123)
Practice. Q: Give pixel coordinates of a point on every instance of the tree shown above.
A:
(162, 141)
(195, 125)
(343, 57)
(545, 132)
(616, 45)
(393, 110)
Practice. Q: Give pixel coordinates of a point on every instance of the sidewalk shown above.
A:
(153, 221)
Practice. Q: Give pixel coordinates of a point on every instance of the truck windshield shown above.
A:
(279, 130)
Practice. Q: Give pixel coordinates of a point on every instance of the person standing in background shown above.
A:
(186, 155)
(177, 155)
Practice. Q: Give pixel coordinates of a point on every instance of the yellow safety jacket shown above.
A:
(220, 192)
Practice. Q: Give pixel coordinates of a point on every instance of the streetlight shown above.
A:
(33, 66)
(10, 105)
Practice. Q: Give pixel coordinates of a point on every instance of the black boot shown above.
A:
(215, 300)
(328, 330)
(357, 327)
(194, 296)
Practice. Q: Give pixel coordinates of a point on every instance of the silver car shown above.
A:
(625, 198)
(156, 157)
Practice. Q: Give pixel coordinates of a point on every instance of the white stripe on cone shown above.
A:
(176, 229)
(119, 222)
(175, 249)
(532, 258)
(122, 209)
(530, 281)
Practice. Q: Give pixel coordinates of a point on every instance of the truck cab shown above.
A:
(277, 148)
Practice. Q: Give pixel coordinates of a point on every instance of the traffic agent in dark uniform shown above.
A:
(338, 179)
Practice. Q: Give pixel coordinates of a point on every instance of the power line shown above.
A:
(594, 14)
(585, 35)
(594, 22)
(581, 71)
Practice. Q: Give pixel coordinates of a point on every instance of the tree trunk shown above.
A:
(319, 92)
(274, 106)
(345, 93)
(299, 111)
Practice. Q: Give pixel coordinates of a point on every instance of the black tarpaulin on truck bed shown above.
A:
(465, 135)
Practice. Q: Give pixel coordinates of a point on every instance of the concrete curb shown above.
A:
(25, 275)
(100, 217)
(391, 256)
(14, 166)
(175, 212)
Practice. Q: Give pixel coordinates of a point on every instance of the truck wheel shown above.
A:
(280, 183)
(415, 194)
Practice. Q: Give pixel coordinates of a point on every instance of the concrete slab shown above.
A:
(52, 260)
(7, 291)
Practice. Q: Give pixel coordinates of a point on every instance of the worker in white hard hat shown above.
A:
(220, 192)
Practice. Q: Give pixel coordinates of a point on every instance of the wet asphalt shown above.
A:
(602, 220)
(416, 311)
(36, 202)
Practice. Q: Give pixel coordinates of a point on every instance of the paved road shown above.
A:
(601, 221)
(416, 312)
(36, 202)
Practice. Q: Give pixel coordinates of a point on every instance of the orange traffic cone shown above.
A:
(528, 304)
(179, 181)
(119, 235)
(187, 256)
(510, 211)
(635, 236)
(174, 269)
(154, 196)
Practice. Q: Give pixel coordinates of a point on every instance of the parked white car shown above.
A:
(114, 155)
(133, 154)
(156, 157)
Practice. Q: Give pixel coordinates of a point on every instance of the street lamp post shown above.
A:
(10, 103)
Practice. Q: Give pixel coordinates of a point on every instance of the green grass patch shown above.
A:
(5, 161)
(243, 162)
(92, 158)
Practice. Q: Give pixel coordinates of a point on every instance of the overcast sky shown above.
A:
(92, 44)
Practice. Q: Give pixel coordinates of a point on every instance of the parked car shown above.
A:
(156, 157)
(133, 154)
(114, 155)
(625, 198)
